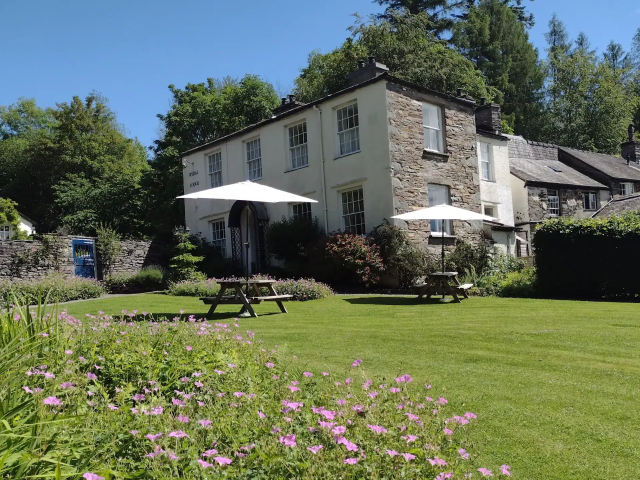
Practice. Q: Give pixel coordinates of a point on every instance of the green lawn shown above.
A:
(555, 384)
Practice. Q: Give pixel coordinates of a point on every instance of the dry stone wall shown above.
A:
(413, 168)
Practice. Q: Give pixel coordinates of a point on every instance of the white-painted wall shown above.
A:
(370, 168)
(25, 225)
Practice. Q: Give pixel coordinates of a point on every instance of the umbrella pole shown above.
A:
(442, 246)
(244, 312)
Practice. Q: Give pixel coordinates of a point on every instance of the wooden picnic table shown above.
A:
(253, 296)
(443, 283)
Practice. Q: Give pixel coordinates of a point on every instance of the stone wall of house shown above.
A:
(413, 168)
(571, 204)
(25, 259)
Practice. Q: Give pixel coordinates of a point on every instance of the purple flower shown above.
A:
(52, 401)
(392, 453)
(288, 440)
(182, 418)
(178, 434)
(505, 469)
(377, 429)
(138, 397)
(408, 456)
(463, 453)
(269, 365)
(307, 374)
(92, 476)
(222, 460)
(153, 438)
(351, 461)
(91, 376)
(356, 363)
(204, 423)
(204, 464)
(210, 453)
(315, 449)
(485, 472)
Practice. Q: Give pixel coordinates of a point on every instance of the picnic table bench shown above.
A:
(443, 283)
(253, 296)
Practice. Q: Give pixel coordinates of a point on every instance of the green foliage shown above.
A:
(56, 286)
(109, 247)
(404, 47)
(290, 239)
(194, 288)
(591, 258)
(9, 214)
(400, 256)
(345, 260)
(49, 253)
(183, 266)
(200, 113)
(492, 36)
(466, 256)
(148, 279)
(487, 282)
(72, 164)
(521, 284)
(213, 265)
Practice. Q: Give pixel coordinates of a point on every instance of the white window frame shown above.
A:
(216, 239)
(488, 162)
(5, 232)
(352, 211)
(301, 210)
(214, 160)
(557, 208)
(298, 146)
(432, 123)
(589, 201)
(353, 131)
(629, 186)
(494, 210)
(253, 158)
(436, 226)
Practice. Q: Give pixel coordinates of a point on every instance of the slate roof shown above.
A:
(538, 162)
(618, 206)
(615, 167)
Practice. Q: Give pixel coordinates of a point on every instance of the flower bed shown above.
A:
(57, 287)
(193, 399)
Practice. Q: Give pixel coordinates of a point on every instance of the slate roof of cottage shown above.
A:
(538, 162)
(618, 206)
(615, 167)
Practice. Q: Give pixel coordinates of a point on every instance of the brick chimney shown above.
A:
(488, 117)
(366, 72)
(287, 103)
(631, 149)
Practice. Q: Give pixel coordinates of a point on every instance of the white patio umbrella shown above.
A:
(248, 192)
(444, 212)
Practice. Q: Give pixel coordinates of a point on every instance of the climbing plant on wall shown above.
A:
(9, 214)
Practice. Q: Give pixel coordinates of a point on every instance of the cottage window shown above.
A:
(553, 202)
(353, 212)
(215, 169)
(5, 232)
(439, 195)
(432, 127)
(626, 188)
(254, 160)
(219, 236)
(348, 129)
(489, 211)
(589, 201)
(302, 210)
(486, 161)
(298, 146)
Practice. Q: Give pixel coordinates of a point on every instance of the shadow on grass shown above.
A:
(185, 316)
(407, 301)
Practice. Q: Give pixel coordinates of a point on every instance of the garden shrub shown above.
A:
(289, 241)
(193, 399)
(400, 256)
(109, 247)
(466, 256)
(194, 288)
(344, 260)
(183, 266)
(149, 279)
(590, 259)
(488, 282)
(213, 264)
(58, 288)
(303, 289)
(520, 284)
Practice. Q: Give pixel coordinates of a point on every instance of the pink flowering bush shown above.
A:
(187, 398)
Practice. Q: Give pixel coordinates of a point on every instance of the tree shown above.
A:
(404, 47)
(615, 57)
(183, 266)
(493, 38)
(200, 113)
(437, 12)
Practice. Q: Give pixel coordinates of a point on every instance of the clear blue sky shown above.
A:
(130, 51)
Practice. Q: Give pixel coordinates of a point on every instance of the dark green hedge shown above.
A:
(589, 259)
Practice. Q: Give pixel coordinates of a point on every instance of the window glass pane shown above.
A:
(298, 152)
(348, 130)
(353, 212)
(219, 236)
(302, 210)
(215, 169)
(431, 119)
(438, 195)
(254, 160)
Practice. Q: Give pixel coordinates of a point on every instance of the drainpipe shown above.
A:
(322, 171)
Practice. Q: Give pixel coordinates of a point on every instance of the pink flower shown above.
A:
(404, 379)
(288, 440)
(326, 424)
(444, 475)
(377, 429)
(269, 365)
(505, 470)
(315, 449)
(324, 374)
(410, 438)
(220, 372)
(222, 460)
(437, 461)
(276, 430)
(69, 352)
(307, 374)
(442, 401)
(177, 402)
(293, 389)
(351, 461)
(210, 453)
(463, 453)
(261, 415)
(49, 375)
(408, 456)
(113, 407)
(182, 418)
(338, 430)
(204, 464)
(185, 380)
(392, 453)
(52, 401)
(153, 438)
(447, 431)
(188, 348)
(485, 472)
(394, 390)
(178, 434)
(470, 415)
(173, 456)
(133, 432)
(356, 363)
(204, 423)
(91, 376)
(138, 397)
(238, 394)
(92, 476)
(156, 452)
(348, 381)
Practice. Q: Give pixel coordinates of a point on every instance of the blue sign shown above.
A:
(84, 258)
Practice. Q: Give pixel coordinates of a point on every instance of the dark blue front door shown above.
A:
(84, 258)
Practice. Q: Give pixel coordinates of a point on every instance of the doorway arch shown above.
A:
(258, 221)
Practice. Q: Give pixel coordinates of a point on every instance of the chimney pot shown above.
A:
(459, 92)
(372, 60)
(283, 100)
(360, 63)
(292, 98)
